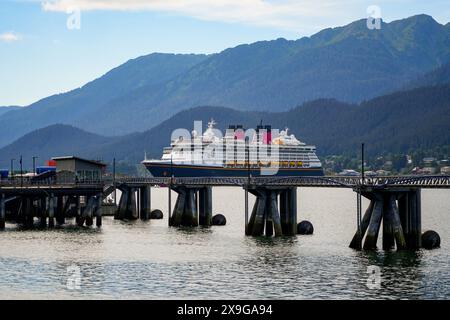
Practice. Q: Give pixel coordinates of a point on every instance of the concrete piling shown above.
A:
(251, 222)
(288, 211)
(269, 227)
(42, 212)
(131, 212)
(258, 224)
(178, 210)
(410, 217)
(123, 203)
(267, 217)
(356, 242)
(388, 223)
(396, 225)
(205, 206)
(77, 209)
(60, 214)
(28, 212)
(275, 214)
(88, 213)
(145, 203)
(127, 205)
(374, 225)
(190, 217)
(51, 211)
(401, 223)
(415, 235)
(98, 211)
(2, 211)
(193, 207)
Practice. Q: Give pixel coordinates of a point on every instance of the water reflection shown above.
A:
(137, 259)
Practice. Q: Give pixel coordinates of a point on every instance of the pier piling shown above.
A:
(59, 214)
(410, 216)
(2, 211)
(374, 225)
(127, 205)
(400, 212)
(88, 213)
(145, 203)
(288, 211)
(358, 237)
(205, 206)
(388, 223)
(98, 210)
(42, 212)
(193, 207)
(51, 211)
(267, 217)
(178, 210)
(28, 212)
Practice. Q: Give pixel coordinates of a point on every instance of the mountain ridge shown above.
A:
(6, 109)
(394, 123)
(349, 63)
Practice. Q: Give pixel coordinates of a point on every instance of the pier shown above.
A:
(395, 203)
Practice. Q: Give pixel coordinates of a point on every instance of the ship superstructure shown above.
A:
(240, 152)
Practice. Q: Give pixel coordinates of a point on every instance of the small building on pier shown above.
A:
(83, 169)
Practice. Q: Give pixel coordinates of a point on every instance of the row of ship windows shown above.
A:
(280, 147)
(244, 154)
(289, 158)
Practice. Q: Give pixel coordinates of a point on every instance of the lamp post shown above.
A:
(21, 171)
(171, 166)
(362, 162)
(12, 168)
(34, 163)
(114, 181)
(247, 149)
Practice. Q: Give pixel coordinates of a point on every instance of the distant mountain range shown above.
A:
(350, 64)
(4, 110)
(81, 106)
(398, 122)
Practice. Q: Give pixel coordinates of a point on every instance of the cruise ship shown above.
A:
(238, 153)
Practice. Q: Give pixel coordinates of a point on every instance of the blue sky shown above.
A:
(40, 55)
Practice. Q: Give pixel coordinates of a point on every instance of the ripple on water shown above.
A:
(138, 259)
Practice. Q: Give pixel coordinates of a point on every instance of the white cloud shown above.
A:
(288, 14)
(9, 37)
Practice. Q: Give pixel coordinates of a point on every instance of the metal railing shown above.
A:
(30, 182)
(437, 181)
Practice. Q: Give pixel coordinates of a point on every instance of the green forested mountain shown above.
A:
(436, 77)
(349, 63)
(417, 119)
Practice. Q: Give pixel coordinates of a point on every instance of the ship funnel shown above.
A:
(267, 139)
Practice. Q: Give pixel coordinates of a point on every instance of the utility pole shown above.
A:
(114, 181)
(34, 163)
(171, 167)
(362, 162)
(12, 168)
(21, 172)
(247, 147)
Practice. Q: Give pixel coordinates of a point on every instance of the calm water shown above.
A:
(150, 260)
